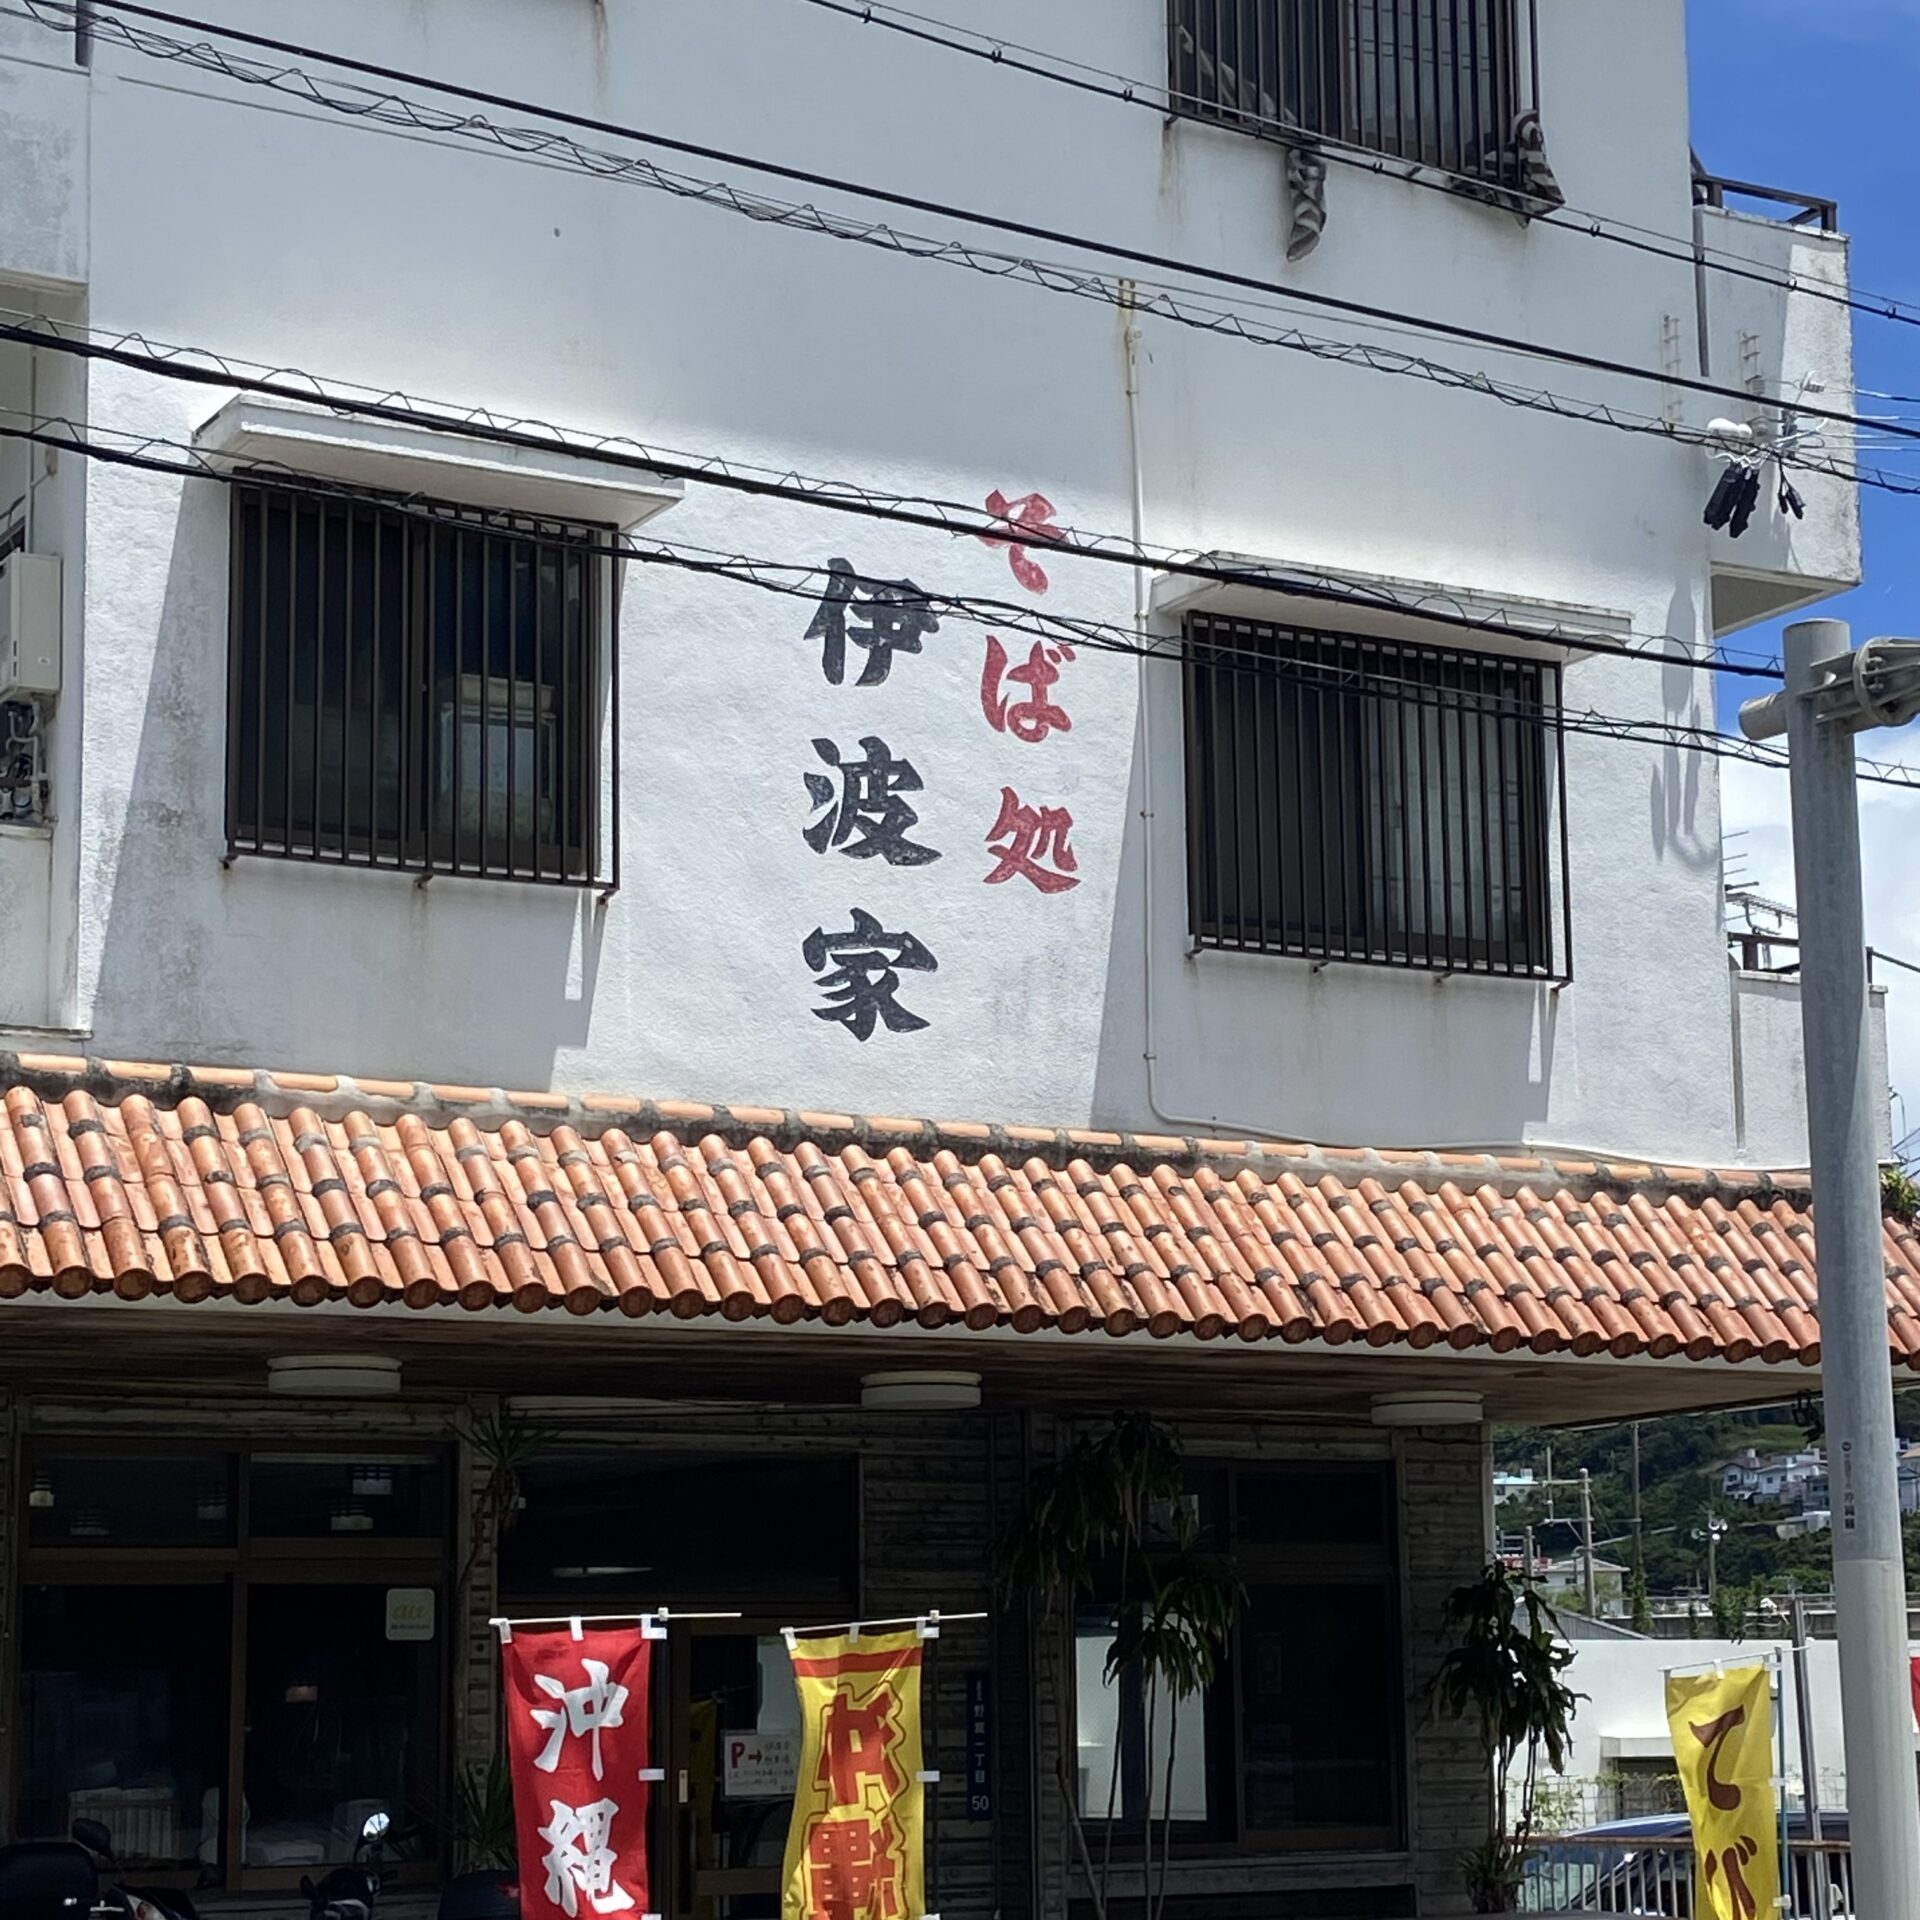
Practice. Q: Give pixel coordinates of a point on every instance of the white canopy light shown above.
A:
(1437, 1407)
(334, 1376)
(919, 1392)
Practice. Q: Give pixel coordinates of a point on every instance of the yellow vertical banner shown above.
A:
(1722, 1725)
(856, 1849)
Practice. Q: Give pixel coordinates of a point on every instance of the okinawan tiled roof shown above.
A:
(137, 1180)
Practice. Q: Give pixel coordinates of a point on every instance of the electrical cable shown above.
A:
(921, 511)
(107, 25)
(1163, 101)
(389, 112)
(1676, 735)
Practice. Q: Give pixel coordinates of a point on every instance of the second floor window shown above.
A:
(1441, 82)
(413, 693)
(1360, 799)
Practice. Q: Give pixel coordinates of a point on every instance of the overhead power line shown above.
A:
(108, 25)
(1154, 299)
(933, 514)
(806, 580)
(1163, 101)
(797, 580)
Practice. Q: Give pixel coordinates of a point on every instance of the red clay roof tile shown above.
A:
(142, 1178)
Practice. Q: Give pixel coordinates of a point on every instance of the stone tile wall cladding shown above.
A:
(936, 1490)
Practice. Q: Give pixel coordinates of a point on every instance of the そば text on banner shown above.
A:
(1722, 1725)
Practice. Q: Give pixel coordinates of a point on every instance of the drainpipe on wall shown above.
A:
(1142, 624)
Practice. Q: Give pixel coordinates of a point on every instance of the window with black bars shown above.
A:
(1362, 799)
(414, 692)
(1439, 82)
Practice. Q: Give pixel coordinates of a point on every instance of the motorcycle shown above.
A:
(60, 1880)
(47, 1880)
(348, 1893)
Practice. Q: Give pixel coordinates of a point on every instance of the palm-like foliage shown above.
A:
(1113, 1516)
(1504, 1674)
(483, 1816)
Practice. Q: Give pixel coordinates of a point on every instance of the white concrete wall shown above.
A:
(44, 105)
(308, 241)
(1752, 334)
(1622, 1712)
(39, 886)
(26, 884)
(1772, 1071)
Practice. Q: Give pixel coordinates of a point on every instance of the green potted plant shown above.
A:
(484, 1836)
(1112, 1520)
(1504, 1674)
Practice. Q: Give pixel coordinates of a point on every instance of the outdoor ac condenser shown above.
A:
(29, 624)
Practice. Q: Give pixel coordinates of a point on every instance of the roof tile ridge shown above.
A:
(335, 1096)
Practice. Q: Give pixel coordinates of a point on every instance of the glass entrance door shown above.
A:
(735, 1748)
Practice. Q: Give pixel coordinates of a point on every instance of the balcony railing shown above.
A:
(1801, 209)
(1779, 953)
(1440, 83)
(1586, 1874)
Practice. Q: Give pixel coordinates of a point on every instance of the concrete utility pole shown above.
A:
(1711, 1533)
(1586, 1537)
(1810, 1764)
(1831, 694)
(1638, 1543)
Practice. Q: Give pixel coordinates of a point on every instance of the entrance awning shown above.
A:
(209, 1183)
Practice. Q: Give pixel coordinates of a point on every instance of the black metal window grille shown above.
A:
(1360, 799)
(1440, 82)
(413, 693)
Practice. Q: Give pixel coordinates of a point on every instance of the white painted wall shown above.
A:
(1622, 1712)
(1780, 561)
(265, 230)
(1772, 1070)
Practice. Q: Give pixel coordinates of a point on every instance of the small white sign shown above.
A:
(759, 1766)
(410, 1613)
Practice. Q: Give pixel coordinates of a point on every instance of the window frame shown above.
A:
(233, 1569)
(1226, 1831)
(1346, 77)
(1363, 676)
(586, 778)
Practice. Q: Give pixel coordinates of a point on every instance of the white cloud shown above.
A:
(1756, 799)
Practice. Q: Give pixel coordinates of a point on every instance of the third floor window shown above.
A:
(1441, 82)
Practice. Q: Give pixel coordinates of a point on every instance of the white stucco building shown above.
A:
(1564, 977)
(665, 840)
(1620, 1759)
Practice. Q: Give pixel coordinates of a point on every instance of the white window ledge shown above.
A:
(446, 466)
(1383, 604)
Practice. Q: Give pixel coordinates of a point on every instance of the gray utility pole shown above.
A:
(1586, 1536)
(1711, 1534)
(1638, 1543)
(1810, 1766)
(1831, 694)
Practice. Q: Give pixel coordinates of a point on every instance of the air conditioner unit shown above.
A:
(29, 624)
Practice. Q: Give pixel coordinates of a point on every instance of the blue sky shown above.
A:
(1818, 96)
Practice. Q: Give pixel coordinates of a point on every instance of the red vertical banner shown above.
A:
(1913, 1680)
(577, 1741)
